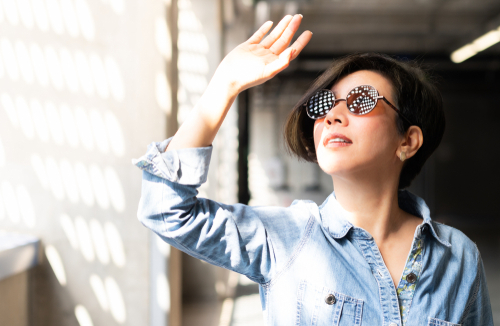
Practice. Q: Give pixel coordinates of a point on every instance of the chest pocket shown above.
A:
(320, 306)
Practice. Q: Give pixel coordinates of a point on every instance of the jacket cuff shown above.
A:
(188, 166)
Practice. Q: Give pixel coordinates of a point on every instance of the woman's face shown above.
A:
(372, 139)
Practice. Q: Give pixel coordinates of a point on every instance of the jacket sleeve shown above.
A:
(254, 241)
(478, 310)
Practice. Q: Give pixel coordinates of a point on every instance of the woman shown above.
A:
(370, 254)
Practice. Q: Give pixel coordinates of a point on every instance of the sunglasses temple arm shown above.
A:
(395, 109)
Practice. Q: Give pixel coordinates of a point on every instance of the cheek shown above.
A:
(318, 131)
(377, 137)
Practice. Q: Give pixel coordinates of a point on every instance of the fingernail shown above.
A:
(301, 15)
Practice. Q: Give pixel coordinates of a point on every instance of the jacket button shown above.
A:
(330, 299)
(425, 228)
(411, 278)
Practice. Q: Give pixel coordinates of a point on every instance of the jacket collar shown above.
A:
(334, 221)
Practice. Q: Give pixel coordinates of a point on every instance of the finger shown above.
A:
(277, 31)
(280, 64)
(300, 43)
(282, 43)
(259, 34)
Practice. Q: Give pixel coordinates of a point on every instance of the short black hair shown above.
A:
(416, 95)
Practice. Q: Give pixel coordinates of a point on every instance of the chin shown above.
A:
(332, 163)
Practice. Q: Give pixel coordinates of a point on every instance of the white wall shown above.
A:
(81, 93)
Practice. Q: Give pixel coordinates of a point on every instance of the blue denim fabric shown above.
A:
(313, 266)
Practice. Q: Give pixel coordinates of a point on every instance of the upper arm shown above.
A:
(478, 310)
(250, 240)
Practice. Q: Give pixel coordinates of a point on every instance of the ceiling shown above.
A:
(404, 27)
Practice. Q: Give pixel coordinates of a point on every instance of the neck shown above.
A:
(371, 204)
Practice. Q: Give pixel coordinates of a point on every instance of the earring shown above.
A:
(402, 156)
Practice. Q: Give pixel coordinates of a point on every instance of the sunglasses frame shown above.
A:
(335, 100)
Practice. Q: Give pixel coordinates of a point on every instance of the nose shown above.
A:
(337, 114)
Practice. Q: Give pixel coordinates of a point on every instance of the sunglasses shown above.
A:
(360, 100)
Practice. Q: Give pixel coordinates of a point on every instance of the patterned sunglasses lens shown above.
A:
(319, 104)
(362, 99)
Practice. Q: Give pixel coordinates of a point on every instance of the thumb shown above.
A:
(281, 63)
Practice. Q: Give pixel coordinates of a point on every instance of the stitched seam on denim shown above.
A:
(476, 290)
(300, 294)
(440, 322)
(418, 278)
(362, 246)
(295, 253)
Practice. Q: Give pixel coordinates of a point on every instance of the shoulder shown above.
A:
(459, 243)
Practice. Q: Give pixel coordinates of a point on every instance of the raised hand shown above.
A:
(254, 62)
(250, 63)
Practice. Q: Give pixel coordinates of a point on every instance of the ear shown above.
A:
(411, 142)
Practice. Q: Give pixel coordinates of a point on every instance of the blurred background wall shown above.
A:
(85, 85)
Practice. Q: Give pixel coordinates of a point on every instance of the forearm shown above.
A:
(203, 123)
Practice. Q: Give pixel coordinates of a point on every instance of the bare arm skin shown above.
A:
(251, 63)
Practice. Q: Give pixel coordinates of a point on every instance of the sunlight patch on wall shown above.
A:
(84, 239)
(99, 239)
(10, 202)
(69, 230)
(56, 263)
(163, 292)
(115, 244)
(97, 286)
(115, 299)
(26, 206)
(2, 155)
(83, 316)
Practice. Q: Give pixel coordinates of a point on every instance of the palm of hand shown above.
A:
(252, 63)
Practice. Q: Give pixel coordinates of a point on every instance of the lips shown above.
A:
(336, 140)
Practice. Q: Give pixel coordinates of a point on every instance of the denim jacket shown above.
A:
(313, 266)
